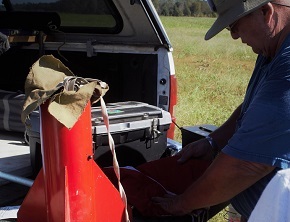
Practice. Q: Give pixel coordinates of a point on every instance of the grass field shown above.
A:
(212, 75)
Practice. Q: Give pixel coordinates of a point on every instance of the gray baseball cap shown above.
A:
(230, 11)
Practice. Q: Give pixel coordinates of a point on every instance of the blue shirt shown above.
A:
(263, 129)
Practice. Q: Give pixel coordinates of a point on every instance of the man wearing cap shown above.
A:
(254, 143)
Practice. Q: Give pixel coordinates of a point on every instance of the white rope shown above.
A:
(73, 84)
(115, 161)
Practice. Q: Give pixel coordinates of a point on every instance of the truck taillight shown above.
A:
(172, 103)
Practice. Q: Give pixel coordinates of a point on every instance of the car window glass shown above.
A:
(73, 13)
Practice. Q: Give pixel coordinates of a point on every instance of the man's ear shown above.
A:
(268, 12)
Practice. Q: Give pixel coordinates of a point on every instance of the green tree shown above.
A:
(186, 9)
(165, 10)
(177, 9)
(183, 8)
(195, 9)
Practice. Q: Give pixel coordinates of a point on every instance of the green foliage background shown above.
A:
(183, 8)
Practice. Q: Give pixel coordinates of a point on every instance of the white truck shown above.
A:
(121, 42)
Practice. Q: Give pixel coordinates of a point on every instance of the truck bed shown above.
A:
(15, 160)
(14, 155)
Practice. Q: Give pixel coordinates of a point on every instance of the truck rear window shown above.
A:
(97, 16)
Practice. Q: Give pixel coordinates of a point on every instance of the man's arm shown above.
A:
(222, 134)
(202, 148)
(225, 178)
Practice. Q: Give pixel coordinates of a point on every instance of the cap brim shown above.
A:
(231, 16)
(225, 20)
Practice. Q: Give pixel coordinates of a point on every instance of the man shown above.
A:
(254, 143)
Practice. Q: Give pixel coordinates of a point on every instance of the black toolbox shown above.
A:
(194, 133)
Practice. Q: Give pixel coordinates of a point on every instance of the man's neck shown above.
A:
(280, 38)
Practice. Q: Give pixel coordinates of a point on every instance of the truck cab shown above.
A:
(122, 43)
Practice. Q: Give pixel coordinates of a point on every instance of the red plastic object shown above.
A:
(172, 104)
(71, 186)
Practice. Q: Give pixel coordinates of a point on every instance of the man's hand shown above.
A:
(199, 149)
(172, 204)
